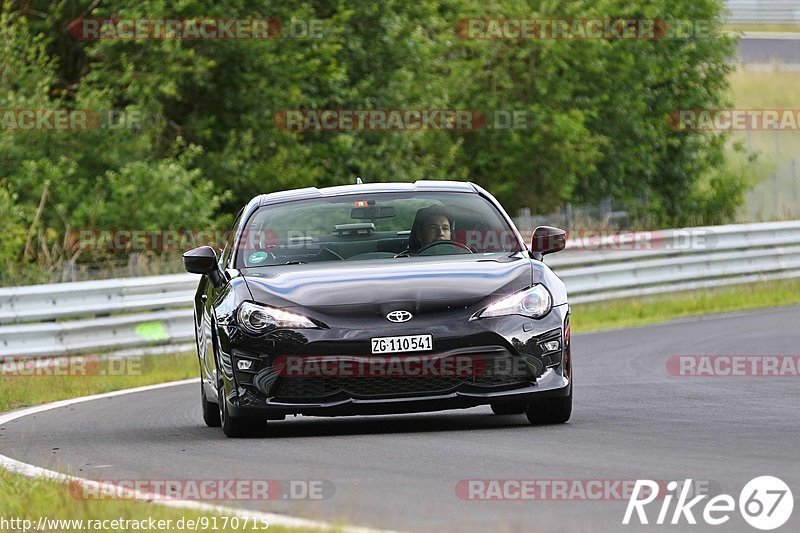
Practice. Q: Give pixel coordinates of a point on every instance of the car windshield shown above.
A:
(373, 226)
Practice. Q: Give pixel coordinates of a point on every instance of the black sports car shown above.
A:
(380, 298)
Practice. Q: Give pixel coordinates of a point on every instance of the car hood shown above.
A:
(416, 284)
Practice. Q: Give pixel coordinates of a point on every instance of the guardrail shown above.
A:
(764, 11)
(97, 316)
(145, 314)
(637, 264)
(86, 298)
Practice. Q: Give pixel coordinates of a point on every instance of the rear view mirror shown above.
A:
(547, 240)
(203, 260)
(372, 212)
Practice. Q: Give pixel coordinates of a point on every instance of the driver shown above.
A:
(434, 223)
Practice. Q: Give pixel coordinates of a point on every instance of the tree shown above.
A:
(206, 142)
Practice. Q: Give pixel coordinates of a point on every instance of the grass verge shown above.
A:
(629, 312)
(23, 387)
(22, 498)
(768, 160)
(770, 89)
(35, 499)
(782, 28)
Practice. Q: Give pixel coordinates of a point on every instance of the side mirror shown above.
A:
(547, 240)
(203, 260)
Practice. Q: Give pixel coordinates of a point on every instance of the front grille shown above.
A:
(316, 387)
(363, 386)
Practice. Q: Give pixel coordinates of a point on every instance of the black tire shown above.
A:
(210, 410)
(236, 427)
(551, 410)
(509, 408)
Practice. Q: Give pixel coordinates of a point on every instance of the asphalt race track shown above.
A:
(769, 50)
(632, 420)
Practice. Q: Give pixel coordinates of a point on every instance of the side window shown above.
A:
(226, 254)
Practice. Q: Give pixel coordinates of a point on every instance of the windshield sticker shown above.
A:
(257, 257)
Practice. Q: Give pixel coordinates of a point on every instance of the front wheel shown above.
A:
(210, 410)
(551, 410)
(237, 426)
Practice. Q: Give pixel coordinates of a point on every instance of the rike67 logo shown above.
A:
(766, 503)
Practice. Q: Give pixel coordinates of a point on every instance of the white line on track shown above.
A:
(31, 471)
(770, 35)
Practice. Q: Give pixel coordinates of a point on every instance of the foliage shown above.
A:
(206, 141)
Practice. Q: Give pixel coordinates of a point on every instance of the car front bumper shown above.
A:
(264, 392)
(550, 385)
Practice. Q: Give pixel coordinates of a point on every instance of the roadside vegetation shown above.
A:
(756, 27)
(631, 312)
(32, 499)
(193, 132)
(767, 161)
(23, 386)
(766, 89)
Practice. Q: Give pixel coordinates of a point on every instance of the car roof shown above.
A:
(363, 188)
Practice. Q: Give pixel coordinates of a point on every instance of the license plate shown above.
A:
(408, 343)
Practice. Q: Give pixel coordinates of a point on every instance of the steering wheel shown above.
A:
(326, 253)
(451, 243)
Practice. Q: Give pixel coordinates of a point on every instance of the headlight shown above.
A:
(534, 302)
(260, 318)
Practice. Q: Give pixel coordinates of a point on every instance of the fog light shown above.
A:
(243, 364)
(551, 346)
